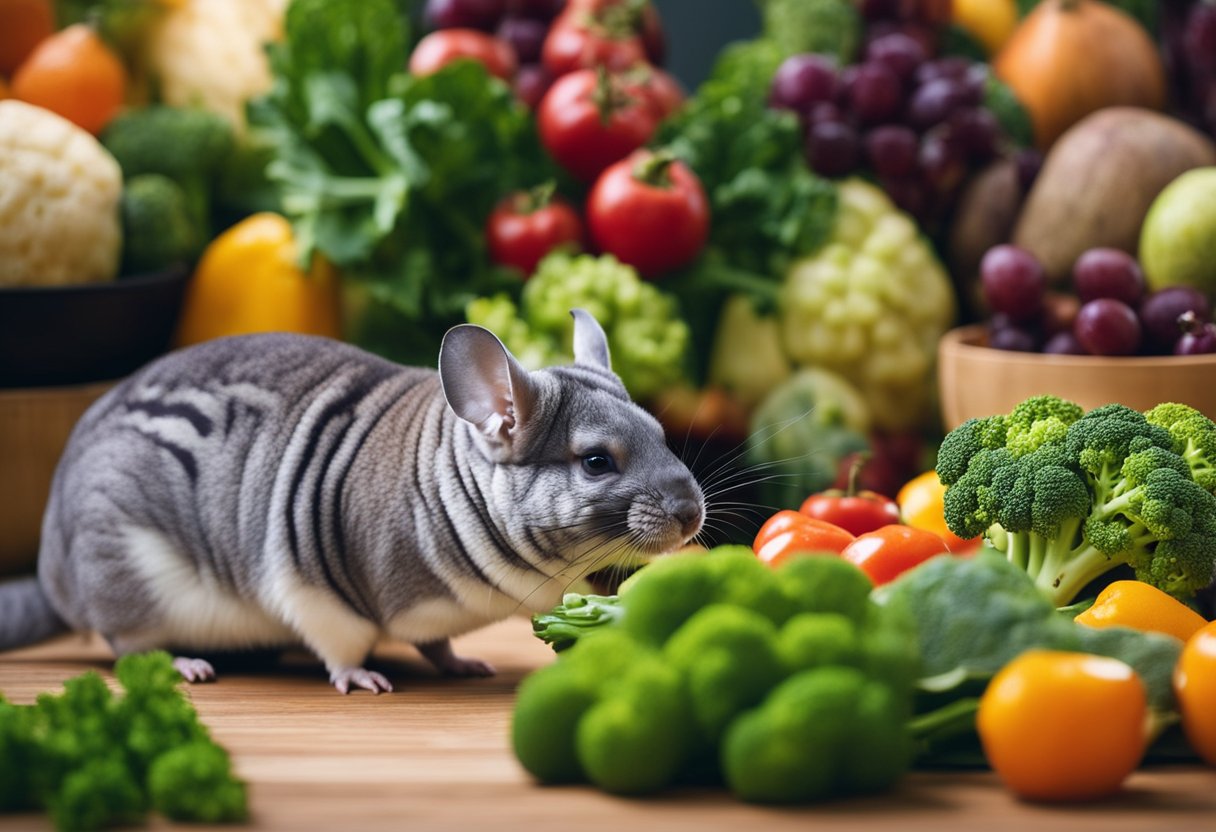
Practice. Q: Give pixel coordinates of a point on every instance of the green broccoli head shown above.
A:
(728, 655)
(186, 145)
(965, 442)
(1194, 437)
(101, 792)
(17, 757)
(1038, 421)
(1103, 438)
(822, 733)
(158, 227)
(819, 639)
(194, 782)
(969, 501)
(819, 584)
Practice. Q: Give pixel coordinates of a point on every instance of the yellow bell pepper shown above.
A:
(991, 22)
(249, 280)
(1143, 607)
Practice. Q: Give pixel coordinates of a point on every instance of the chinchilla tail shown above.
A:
(26, 616)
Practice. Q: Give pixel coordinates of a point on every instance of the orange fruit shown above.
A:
(1195, 686)
(1060, 726)
(74, 74)
(23, 25)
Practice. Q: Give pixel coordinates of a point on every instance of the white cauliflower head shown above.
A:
(59, 194)
(211, 53)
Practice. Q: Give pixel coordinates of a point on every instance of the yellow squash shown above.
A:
(248, 280)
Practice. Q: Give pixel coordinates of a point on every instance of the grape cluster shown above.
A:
(1110, 313)
(522, 24)
(918, 123)
(1188, 31)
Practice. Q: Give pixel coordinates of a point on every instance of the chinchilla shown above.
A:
(266, 491)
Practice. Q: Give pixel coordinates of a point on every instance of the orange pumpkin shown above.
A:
(1069, 58)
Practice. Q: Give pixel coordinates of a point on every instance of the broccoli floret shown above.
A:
(101, 792)
(1069, 499)
(966, 441)
(576, 616)
(158, 228)
(183, 144)
(822, 733)
(194, 782)
(1194, 438)
(17, 750)
(154, 715)
(818, 639)
(728, 655)
(831, 27)
(818, 584)
(610, 710)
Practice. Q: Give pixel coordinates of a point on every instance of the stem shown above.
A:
(654, 169)
(1065, 572)
(537, 198)
(858, 463)
(606, 97)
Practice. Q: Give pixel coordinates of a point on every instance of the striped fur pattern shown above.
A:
(275, 490)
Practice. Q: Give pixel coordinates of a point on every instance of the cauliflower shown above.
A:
(871, 306)
(211, 53)
(59, 202)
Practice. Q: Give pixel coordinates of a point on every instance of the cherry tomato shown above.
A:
(585, 38)
(643, 19)
(1195, 687)
(1062, 726)
(859, 511)
(650, 211)
(921, 505)
(885, 554)
(525, 227)
(788, 533)
(588, 120)
(659, 88)
(440, 48)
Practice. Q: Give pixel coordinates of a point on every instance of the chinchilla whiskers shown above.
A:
(759, 437)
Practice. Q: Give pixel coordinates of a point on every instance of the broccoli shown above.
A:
(189, 146)
(95, 759)
(158, 228)
(831, 27)
(703, 644)
(822, 733)
(1069, 497)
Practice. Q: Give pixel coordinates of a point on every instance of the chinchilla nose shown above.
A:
(688, 513)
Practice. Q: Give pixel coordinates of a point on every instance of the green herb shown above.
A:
(93, 759)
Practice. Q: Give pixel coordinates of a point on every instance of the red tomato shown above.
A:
(658, 87)
(440, 48)
(788, 533)
(523, 229)
(643, 19)
(886, 553)
(588, 120)
(650, 211)
(589, 38)
(859, 513)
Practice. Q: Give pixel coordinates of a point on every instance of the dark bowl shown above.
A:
(77, 334)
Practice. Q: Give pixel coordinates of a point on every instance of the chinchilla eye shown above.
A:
(598, 462)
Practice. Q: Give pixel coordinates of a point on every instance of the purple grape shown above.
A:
(1198, 338)
(1160, 311)
(900, 53)
(1063, 343)
(909, 194)
(531, 83)
(1199, 39)
(824, 111)
(879, 9)
(525, 35)
(974, 85)
(952, 68)
(535, 9)
(1012, 338)
(933, 103)
(942, 160)
(803, 81)
(832, 148)
(464, 14)
(875, 95)
(892, 151)
(977, 131)
(1029, 162)
(1107, 327)
(844, 84)
(1108, 273)
(1013, 282)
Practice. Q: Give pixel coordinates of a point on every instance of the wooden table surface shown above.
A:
(435, 755)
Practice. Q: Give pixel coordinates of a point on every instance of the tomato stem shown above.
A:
(859, 462)
(654, 169)
(536, 198)
(607, 96)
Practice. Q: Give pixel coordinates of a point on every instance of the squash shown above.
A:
(1069, 58)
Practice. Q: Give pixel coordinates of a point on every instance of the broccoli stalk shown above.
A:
(575, 616)
(1069, 497)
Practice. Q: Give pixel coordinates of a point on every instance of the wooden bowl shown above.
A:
(977, 381)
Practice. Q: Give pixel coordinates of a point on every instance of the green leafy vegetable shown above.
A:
(830, 27)
(647, 338)
(1000, 100)
(1069, 497)
(389, 175)
(94, 759)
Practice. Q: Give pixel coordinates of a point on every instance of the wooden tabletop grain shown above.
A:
(435, 755)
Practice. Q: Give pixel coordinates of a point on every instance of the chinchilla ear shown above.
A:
(590, 342)
(483, 383)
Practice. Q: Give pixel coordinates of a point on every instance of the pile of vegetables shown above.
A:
(94, 759)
